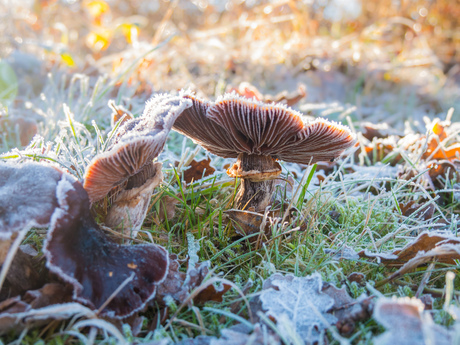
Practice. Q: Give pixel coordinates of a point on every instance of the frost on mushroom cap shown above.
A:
(80, 253)
(234, 125)
(27, 196)
(136, 143)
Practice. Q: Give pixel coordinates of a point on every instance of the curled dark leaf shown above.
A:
(119, 279)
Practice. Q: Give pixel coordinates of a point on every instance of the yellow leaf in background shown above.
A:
(100, 40)
(67, 59)
(130, 31)
(96, 8)
(438, 129)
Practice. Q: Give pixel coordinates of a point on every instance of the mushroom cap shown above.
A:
(233, 125)
(27, 196)
(80, 253)
(136, 143)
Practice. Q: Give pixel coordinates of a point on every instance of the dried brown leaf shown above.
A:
(417, 210)
(407, 324)
(167, 209)
(49, 294)
(119, 113)
(25, 274)
(212, 293)
(26, 128)
(261, 334)
(357, 277)
(347, 310)
(177, 284)
(443, 253)
(379, 131)
(246, 222)
(423, 244)
(198, 170)
(17, 320)
(248, 90)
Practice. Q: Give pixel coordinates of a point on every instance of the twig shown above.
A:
(425, 279)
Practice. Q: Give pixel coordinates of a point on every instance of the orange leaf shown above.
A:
(99, 41)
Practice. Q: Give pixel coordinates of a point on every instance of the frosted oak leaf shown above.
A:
(298, 303)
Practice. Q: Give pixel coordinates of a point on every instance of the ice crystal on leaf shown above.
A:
(299, 302)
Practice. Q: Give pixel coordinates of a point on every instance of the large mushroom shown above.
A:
(126, 172)
(116, 279)
(258, 135)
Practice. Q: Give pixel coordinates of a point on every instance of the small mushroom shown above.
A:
(258, 135)
(125, 171)
(118, 280)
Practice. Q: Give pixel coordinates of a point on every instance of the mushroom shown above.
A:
(118, 280)
(258, 135)
(125, 171)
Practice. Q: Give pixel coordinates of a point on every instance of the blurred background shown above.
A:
(379, 61)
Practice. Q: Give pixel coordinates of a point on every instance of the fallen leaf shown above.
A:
(167, 209)
(177, 284)
(260, 334)
(347, 310)
(212, 293)
(437, 146)
(428, 301)
(443, 170)
(379, 131)
(248, 90)
(442, 253)
(417, 210)
(289, 99)
(423, 244)
(19, 316)
(119, 112)
(200, 340)
(27, 196)
(357, 277)
(49, 294)
(345, 252)
(377, 150)
(407, 323)
(79, 252)
(25, 129)
(198, 170)
(297, 304)
(247, 222)
(25, 274)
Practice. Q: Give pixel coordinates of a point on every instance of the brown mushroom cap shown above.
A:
(234, 125)
(27, 196)
(136, 143)
(80, 253)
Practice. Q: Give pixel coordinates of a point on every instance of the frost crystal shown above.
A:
(193, 248)
(297, 304)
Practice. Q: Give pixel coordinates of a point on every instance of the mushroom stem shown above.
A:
(257, 175)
